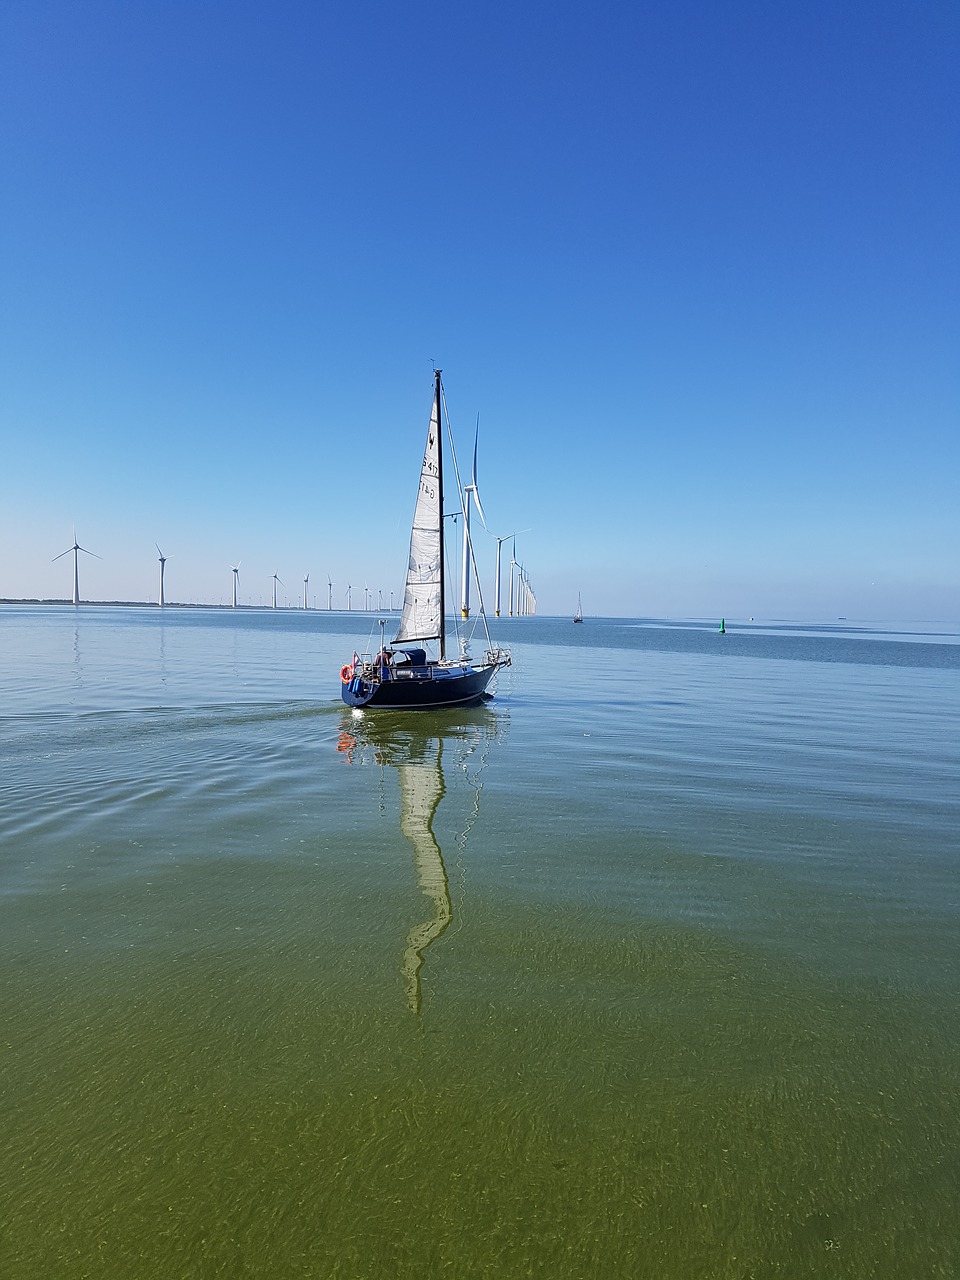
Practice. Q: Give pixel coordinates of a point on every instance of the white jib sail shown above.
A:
(421, 618)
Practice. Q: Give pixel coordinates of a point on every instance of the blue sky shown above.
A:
(693, 264)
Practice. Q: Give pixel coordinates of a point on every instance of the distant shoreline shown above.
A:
(743, 626)
(173, 604)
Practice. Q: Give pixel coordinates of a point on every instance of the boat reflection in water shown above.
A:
(440, 751)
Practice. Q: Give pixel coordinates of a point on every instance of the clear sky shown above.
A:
(694, 264)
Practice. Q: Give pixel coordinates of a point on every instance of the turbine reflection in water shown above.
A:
(421, 752)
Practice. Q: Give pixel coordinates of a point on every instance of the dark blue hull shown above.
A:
(416, 688)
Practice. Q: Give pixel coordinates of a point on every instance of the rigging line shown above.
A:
(460, 626)
(481, 612)
(382, 789)
(476, 786)
(463, 836)
(373, 624)
(451, 571)
(482, 740)
(458, 622)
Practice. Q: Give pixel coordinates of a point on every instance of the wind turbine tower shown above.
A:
(469, 490)
(305, 581)
(526, 599)
(76, 549)
(329, 593)
(163, 561)
(235, 569)
(500, 542)
(275, 581)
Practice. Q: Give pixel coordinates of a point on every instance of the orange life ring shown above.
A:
(346, 672)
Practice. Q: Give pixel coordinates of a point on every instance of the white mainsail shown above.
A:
(422, 614)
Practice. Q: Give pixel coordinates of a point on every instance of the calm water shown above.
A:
(648, 968)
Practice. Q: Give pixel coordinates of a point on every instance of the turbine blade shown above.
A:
(476, 499)
(61, 555)
(88, 553)
(476, 440)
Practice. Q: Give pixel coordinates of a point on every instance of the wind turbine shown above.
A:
(500, 541)
(329, 593)
(163, 561)
(469, 490)
(76, 549)
(349, 589)
(526, 600)
(305, 581)
(275, 581)
(236, 580)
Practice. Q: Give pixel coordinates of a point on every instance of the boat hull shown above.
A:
(417, 688)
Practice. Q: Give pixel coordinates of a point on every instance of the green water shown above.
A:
(656, 975)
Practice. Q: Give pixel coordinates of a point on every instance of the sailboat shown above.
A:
(401, 676)
(578, 616)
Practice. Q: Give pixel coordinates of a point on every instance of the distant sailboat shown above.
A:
(578, 616)
(402, 677)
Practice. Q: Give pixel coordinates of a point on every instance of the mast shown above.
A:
(443, 618)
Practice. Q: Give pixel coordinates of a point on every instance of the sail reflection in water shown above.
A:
(421, 790)
(421, 754)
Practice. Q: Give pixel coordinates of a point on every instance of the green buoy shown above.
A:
(723, 629)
